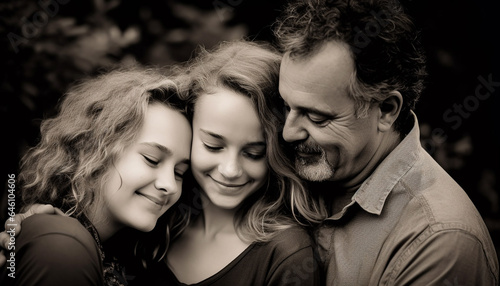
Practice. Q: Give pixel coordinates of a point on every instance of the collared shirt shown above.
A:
(409, 223)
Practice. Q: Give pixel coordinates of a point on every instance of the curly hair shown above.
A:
(97, 119)
(383, 41)
(252, 69)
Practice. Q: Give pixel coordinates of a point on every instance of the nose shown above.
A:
(231, 168)
(293, 130)
(166, 181)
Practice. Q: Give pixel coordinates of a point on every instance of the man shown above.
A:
(350, 76)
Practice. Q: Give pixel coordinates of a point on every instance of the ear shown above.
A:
(389, 110)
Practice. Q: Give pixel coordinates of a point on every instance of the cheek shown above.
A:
(202, 160)
(129, 171)
(113, 183)
(173, 200)
(330, 140)
(326, 139)
(257, 170)
(336, 136)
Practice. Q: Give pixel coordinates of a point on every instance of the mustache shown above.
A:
(308, 148)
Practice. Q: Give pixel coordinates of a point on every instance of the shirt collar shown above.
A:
(372, 194)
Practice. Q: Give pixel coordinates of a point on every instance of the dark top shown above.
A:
(288, 259)
(55, 250)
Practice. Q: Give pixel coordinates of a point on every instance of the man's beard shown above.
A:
(315, 168)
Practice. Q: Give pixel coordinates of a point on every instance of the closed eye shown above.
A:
(212, 148)
(150, 161)
(179, 176)
(318, 119)
(254, 156)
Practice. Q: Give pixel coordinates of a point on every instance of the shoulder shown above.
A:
(291, 241)
(291, 257)
(41, 225)
(54, 223)
(443, 218)
(48, 232)
(57, 250)
(294, 237)
(437, 198)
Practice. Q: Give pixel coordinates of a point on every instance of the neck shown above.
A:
(387, 144)
(104, 227)
(215, 220)
(105, 230)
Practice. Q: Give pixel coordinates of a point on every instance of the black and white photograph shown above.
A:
(252, 143)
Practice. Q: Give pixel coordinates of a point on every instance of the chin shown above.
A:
(315, 173)
(228, 205)
(144, 227)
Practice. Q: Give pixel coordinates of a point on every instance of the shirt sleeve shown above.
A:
(57, 259)
(55, 250)
(300, 268)
(452, 257)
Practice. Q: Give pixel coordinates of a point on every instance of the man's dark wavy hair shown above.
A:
(383, 42)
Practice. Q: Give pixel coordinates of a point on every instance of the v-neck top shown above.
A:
(288, 259)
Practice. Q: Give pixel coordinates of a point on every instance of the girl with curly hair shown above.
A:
(113, 158)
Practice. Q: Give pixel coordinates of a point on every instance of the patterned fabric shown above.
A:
(113, 271)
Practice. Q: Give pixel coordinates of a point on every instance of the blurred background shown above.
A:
(46, 45)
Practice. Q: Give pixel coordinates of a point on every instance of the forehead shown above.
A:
(167, 127)
(229, 114)
(316, 78)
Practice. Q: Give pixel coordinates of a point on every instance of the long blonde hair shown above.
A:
(252, 69)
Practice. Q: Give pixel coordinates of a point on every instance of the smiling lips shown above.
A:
(154, 199)
(227, 185)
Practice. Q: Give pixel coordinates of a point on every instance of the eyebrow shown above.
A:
(315, 111)
(309, 109)
(164, 149)
(218, 136)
